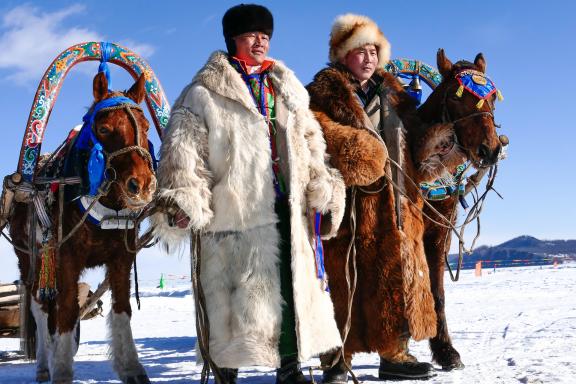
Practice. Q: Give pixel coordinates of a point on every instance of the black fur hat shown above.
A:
(245, 18)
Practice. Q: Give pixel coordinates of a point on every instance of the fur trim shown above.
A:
(351, 31)
(220, 77)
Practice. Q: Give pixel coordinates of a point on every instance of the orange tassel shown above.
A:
(47, 281)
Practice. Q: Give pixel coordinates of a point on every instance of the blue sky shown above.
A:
(529, 49)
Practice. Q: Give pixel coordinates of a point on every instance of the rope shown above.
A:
(136, 290)
(474, 213)
(202, 320)
(350, 285)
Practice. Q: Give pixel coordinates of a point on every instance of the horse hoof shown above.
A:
(140, 379)
(42, 375)
(447, 357)
(456, 365)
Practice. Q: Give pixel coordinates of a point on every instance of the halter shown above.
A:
(99, 163)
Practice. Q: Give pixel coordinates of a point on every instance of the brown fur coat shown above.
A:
(393, 287)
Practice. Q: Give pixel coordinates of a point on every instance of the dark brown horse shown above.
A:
(122, 131)
(474, 138)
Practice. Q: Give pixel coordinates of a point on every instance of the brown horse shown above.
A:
(474, 138)
(123, 133)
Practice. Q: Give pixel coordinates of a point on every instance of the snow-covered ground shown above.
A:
(515, 325)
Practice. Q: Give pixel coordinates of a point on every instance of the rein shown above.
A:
(458, 230)
(127, 105)
(103, 189)
(446, 118)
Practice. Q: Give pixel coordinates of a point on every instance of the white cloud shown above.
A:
(31, 38)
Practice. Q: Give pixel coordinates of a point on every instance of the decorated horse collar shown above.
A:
(478, 84)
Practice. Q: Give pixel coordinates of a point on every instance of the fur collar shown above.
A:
(220, 77)
(333, 92)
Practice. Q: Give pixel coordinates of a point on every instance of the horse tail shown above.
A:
(27, 324)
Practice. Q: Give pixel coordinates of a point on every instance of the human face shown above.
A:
(362, 62)
(252, 47)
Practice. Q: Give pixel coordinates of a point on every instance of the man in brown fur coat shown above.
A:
(361, 109)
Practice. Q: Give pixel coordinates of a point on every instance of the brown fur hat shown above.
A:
(354, 31)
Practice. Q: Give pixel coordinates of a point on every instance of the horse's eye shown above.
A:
(103, 130)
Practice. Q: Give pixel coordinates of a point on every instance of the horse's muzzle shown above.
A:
(488, 156)
(139, 193)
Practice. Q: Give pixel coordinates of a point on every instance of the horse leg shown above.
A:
(122, 347)
(434, 243)
(42, 341)
(64, 341)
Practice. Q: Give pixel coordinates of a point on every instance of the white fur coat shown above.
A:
(216, 166)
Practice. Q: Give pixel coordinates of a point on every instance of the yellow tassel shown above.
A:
(480, 104)
(460, 91)
(499, 95)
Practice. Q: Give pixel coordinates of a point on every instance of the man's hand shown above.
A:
(177, 217)
(181, 219)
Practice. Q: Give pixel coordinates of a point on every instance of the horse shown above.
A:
(129, 186)
(473, 138)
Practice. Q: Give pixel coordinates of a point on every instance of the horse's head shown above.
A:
(122, 131)
(458, 100)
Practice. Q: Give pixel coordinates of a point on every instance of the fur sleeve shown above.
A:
(325, 191)
(183, 179)
(358, 155)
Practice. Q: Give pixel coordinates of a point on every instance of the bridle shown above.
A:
(143, 152)
(447, 118)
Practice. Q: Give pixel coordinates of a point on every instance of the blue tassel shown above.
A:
(463, 202)
(96, 166)
(106, 50)
(153, 155)
(319, 251)
(96, 162)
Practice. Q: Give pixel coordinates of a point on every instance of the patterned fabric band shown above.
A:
(444, 188)
(262, 92)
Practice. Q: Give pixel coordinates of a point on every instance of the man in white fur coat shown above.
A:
(244, 162)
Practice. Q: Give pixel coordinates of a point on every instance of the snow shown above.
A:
(514, 325)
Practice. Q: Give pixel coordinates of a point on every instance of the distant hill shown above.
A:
(520, 251)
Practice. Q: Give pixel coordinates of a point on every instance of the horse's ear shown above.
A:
(444, 65)
(480, 63)
(100, 87)
(138, 91)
